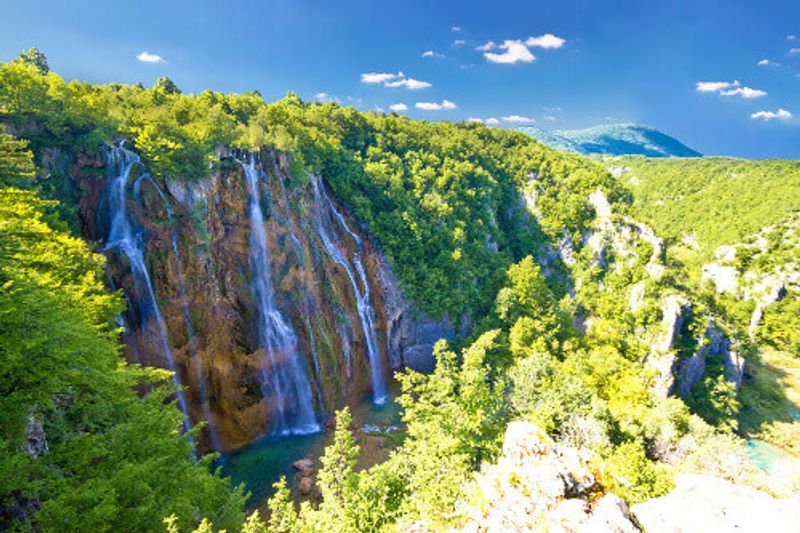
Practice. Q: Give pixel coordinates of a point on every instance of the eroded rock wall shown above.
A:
(202, 286)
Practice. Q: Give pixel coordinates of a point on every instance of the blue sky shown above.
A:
(565, 64)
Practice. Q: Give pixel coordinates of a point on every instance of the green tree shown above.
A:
(34, 57)
(106, 458)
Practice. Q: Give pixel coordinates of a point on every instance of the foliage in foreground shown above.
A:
(80, 451)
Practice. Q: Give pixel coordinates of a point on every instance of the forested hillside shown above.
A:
(569, 310)
(734, 225)
(712, 200)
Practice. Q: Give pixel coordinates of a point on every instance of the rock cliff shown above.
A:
(195, 242)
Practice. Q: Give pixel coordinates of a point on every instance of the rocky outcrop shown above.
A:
(675, 311)
(749, 272)
(195, 240)
(35, 439)
(411, 333)
(706, 503)
(623, 236)
(537, 485)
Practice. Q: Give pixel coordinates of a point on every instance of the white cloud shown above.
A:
(485, 47)
(325, 97)
(147, 57)
(408, 83)
(727, 88)
(768, 63)
(515, 51)
(714, 86)
(780, 114)
(432, 53)
(490, 121)
(518, 119)
(398, 107)
(379, 77)
(794, 51)
(393, 80)
(744, 92)
(435, 106)
(548, 40)
(549, 118)
(791, 37)
(455, 29)
(459, 42)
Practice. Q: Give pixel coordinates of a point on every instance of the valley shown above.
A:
(457, 326)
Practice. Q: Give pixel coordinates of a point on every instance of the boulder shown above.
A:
(305, 466)
(539, 485)
(305, 485)
(704, 503)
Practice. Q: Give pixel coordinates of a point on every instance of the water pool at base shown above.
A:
(263, 462)
(767, 457)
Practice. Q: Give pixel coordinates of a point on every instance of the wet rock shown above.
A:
(305, 485)
(305, 466)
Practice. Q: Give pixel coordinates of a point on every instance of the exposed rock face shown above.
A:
(624, 235)
(539, 486)
(616, 242)
(214, 342)
(750, 281)
(410, 332)
(706, 503)
(36, 441)
(675, 310)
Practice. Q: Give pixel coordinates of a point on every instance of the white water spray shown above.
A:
(284, 379)
(361, 292)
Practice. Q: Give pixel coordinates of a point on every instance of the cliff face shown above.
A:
(332, 288)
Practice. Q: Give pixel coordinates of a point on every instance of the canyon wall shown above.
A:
(343, 320)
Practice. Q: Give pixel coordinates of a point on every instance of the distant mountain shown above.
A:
(616, 139)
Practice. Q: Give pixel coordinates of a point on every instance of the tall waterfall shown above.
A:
(187, 317)
(325, 229)
(122, 236)
(293, 411)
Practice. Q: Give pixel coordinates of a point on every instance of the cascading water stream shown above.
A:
(190, 333)
(293, 410)
(299, 252)
(362, 294)
(122, 236)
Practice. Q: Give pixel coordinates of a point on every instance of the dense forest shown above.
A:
(570, 308)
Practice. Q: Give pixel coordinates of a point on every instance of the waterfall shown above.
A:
(293, 411)
(122, 236)
(187, 318)
(317, 374)
(362, 294)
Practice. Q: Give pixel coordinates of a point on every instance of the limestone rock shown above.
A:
(305, 486)
(709, 504)
(36, 441)
(538, 485)
(305, 466)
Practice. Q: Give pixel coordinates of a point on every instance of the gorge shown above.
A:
(428, 319)
(309, 351)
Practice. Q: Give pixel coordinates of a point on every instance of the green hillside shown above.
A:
(614, 139)
(718, 200)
